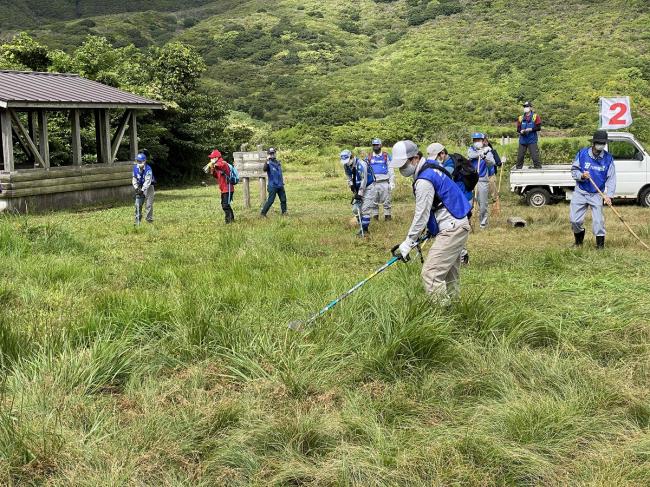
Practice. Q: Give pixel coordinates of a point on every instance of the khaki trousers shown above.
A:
(441, 269)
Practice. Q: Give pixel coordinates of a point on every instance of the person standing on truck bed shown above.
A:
(528, 125)
(597, 164)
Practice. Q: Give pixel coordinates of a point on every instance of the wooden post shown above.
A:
(7, 141)
(262, 189)
(133, 135)
(102, 136)
(106, 136)
(98, 145)
(43, 138)
(247, 193)
(76, 137)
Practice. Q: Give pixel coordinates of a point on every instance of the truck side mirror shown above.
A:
(638, 156)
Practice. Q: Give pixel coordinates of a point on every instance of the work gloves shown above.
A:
(139, 192)
(392, 186)
(405, 248)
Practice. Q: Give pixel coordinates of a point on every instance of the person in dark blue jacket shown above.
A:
(143, 183)
(528, 126)
(273, 169)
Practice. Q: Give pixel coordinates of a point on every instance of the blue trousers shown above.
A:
(269, 201)
(580, 202)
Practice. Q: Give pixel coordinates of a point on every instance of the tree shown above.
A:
(25, 51)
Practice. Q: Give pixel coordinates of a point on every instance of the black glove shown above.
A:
(139, 192)
(357, 198)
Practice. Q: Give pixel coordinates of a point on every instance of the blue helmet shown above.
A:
(141, 157)
(478, 135)
(376, 141)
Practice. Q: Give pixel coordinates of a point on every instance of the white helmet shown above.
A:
(403, 150)
(434, 149)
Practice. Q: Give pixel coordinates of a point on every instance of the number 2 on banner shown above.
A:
(619, 117)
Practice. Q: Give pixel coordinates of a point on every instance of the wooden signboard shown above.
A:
(250, 165)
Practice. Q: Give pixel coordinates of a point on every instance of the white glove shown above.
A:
(487, 150)
(406, 246)
(392, 186)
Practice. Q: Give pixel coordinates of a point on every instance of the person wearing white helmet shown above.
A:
(483, 160)
(380, 192)
(441, 208)
(359, 180)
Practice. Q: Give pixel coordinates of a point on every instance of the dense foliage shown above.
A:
(179, 136)
(325, 73)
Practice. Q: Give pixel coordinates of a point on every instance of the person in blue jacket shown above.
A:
(380, 193)
(450, 165)
(273, 169)
(442, 209)
(597, 164)
(528, 126)
(360, 178)
(143, 182)
(482, 158)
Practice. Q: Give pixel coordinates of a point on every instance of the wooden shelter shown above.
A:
(26, 99)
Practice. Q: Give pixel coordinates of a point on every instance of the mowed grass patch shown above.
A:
(161, 354)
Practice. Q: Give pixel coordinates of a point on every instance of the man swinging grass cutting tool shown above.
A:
(360, 178)
(441, 208)
(596, 164)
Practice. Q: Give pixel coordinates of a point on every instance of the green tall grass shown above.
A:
(161, 355)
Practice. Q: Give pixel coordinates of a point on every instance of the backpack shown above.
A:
(233, 178)
(464, 171)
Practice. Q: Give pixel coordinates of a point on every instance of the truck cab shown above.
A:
(553, 182)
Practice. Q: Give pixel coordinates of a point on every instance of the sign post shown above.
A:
(250, 165)
(615, 113)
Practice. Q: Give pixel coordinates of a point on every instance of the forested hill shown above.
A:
(340, 71)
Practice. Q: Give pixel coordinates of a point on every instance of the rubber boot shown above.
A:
(388, 218)
(600, 242)
(364, 234)
(580, 238)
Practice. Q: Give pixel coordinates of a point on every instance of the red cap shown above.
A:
(215, 154)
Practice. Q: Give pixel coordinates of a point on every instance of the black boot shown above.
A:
(388, 218)
(600, 242)
(580, 238)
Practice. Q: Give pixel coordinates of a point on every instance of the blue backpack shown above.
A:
(233, 178)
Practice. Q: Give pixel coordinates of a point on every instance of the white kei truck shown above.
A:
(540, 187)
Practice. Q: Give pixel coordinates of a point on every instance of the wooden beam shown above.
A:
(98, 145)
(133, 135)
(119, 135)
(43, 139)
(76, 137)
(22, 145)
(105, 135)
(7, 141)
(23, 132)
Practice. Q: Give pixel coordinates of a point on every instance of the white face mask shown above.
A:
(478, 145)
(408, 170)
(527, 110)
(599, 147)
(141, 165)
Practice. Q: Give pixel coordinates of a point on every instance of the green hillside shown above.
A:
(342, 71)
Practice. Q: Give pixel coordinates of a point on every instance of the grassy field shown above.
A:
(161, 355)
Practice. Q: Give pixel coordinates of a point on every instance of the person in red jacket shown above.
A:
(221, 172)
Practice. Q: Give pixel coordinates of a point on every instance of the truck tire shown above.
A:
(644, 197)
(538, 197)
